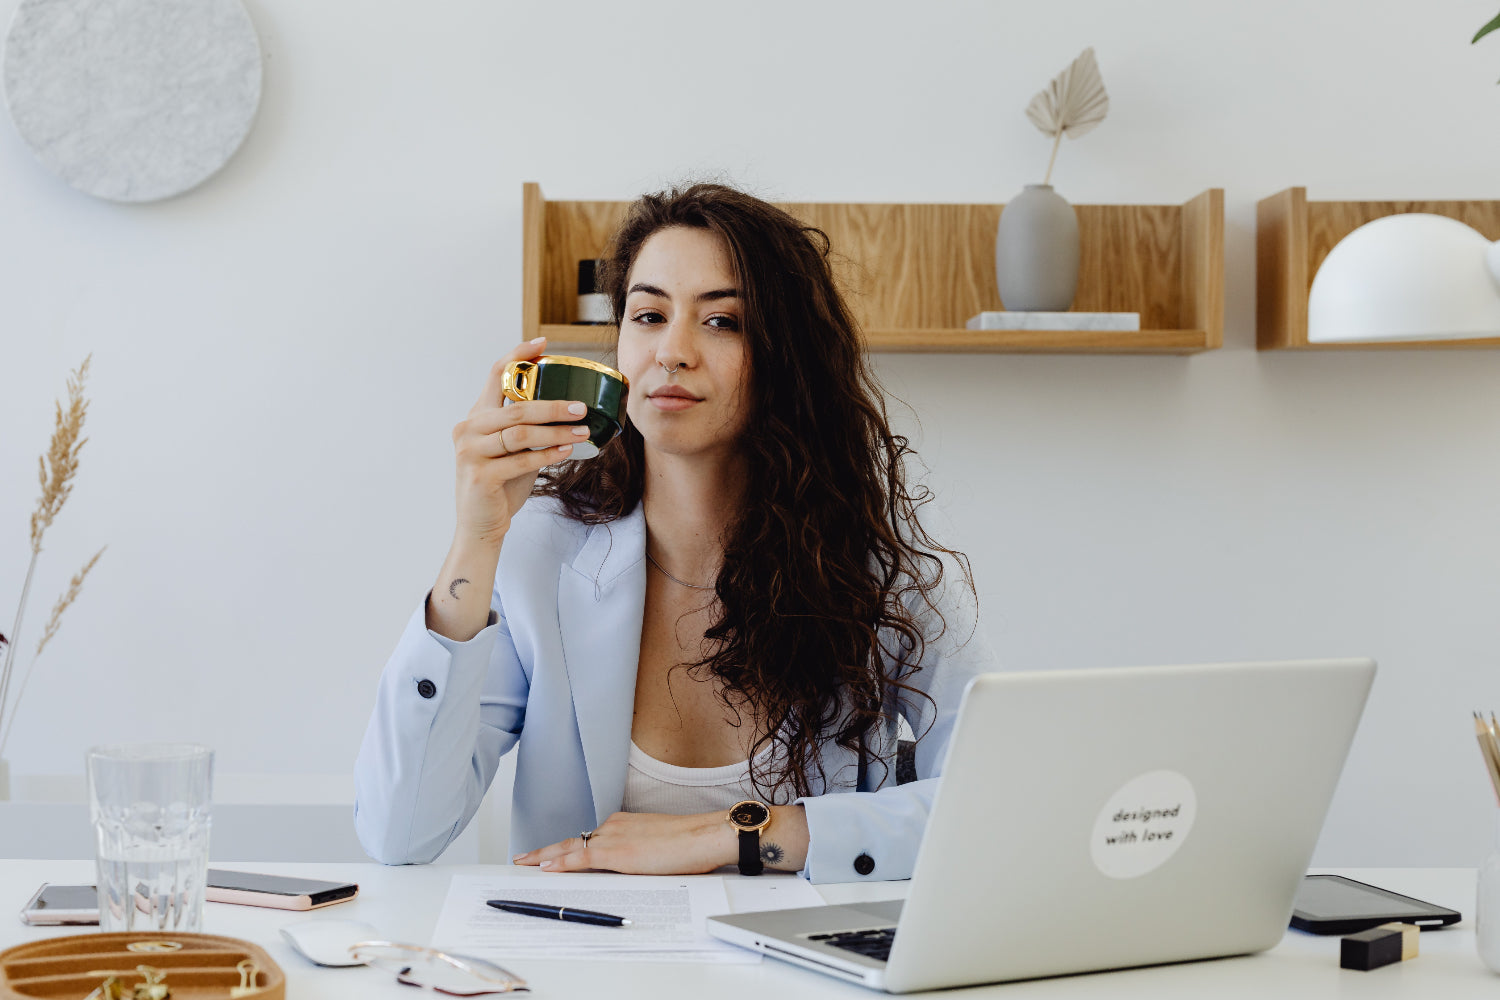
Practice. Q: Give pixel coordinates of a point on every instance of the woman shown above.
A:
(733, 601)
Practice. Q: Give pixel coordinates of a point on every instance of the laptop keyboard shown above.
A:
(871, 944)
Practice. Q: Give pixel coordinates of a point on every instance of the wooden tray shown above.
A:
(73, 966)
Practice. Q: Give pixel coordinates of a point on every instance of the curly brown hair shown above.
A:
(827, 574)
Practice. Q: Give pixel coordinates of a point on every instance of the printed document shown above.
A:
(666, 914)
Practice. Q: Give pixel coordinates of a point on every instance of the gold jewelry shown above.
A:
(248, 973)
(110, 989)
(674, 579)
(152, 987)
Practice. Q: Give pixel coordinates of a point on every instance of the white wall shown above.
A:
(279, 355)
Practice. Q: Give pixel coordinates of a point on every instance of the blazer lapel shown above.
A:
(601, 600)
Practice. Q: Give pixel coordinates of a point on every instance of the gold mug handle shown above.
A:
(519, 381)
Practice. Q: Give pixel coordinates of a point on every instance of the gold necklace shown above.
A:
(669, 576)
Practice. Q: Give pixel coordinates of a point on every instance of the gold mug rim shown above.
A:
(568, 359)
(510, 390)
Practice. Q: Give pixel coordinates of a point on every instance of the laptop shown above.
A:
(1100, 819)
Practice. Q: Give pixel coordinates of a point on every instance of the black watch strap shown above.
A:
(750, 862)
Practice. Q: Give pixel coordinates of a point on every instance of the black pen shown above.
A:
(551, 912)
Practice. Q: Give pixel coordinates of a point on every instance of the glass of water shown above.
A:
(149, 803)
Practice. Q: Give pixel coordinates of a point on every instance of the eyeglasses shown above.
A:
(456, 975)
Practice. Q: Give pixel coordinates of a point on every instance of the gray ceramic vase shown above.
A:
(1036, 252)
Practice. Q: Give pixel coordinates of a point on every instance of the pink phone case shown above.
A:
(249, 897)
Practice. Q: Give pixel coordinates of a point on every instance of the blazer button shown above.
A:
(864, 864)
(426, 688)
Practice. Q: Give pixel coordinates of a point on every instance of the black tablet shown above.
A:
(1332, 904)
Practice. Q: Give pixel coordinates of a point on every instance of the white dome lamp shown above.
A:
(1407, 277)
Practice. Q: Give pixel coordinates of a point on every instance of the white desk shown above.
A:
(404, 903)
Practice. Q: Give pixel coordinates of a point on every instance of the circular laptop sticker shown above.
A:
(1143, 824)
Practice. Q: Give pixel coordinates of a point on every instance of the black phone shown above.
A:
(279, 891)
(1333, 904)
(62, 905)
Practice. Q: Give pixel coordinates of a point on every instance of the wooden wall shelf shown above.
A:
(915, 273)
(1294, 235)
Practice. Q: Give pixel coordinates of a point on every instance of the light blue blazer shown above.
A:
(553, 676)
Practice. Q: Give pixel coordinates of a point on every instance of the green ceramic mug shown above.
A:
(558, 376)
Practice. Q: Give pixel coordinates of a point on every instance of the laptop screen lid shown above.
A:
(1097, 819)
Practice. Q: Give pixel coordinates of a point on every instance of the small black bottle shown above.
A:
(593, 305)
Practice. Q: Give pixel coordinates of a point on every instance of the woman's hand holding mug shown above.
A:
(499, 449)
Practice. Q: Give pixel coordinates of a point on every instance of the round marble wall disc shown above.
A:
(132, 100)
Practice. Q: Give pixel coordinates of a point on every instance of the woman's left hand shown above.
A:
(644, 844)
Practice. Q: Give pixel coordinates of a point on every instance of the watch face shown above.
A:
(749, 815)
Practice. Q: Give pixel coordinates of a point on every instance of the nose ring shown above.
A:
(671, 371)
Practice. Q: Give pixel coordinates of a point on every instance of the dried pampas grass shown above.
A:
(56, 471)
(66, 598)
(62, 456)
(1073, 104)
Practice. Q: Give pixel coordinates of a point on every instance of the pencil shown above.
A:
(1490, 748)
(1494, 733)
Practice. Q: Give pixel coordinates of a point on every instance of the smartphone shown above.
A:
(57, 905)
(276, 890)
(1332, 904)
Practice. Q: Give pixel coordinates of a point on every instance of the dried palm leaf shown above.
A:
(1072, 105)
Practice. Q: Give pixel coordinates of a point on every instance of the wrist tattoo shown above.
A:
(771, 854)
(453, 587)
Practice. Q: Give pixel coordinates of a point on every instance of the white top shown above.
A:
(654, 786)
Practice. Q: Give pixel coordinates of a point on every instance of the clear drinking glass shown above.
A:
(149, 803)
